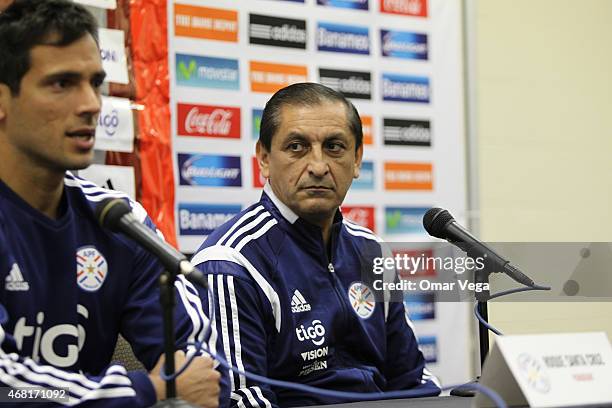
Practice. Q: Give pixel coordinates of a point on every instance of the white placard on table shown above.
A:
(550, 370)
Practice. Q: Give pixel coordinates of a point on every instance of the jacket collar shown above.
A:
(285, 211)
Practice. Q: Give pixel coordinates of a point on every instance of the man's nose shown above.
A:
(90, 101)
(317, 162)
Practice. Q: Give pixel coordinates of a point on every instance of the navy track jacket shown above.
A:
(69, 287)
(286, 311)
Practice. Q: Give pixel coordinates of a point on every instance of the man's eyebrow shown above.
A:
(100, 75)
(337, 135)
(73, 76)
(296, 135)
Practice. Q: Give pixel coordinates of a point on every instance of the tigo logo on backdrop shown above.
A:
(343, 38)
(256, 122)
(209, 170)
(205, 22)
(404, 132)
(416, 8)
(350, 4)
(408, 176)
(351, 84)
(276, 31)
(429, 347)
(404, 220)
(207, 72)
(203, 219)
(403, 44)
(208, 121)
(258, 180)
(405, 88)
(425, 269)
(366, 128)
(267, 77)
(363, 216)
(420, 306)
(366, 177)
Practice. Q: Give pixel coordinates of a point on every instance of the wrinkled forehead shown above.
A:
(326, 113)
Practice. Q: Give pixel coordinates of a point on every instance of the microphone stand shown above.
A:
(167, 299)
(481, 276)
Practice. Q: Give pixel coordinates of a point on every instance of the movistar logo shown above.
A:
(186, 72)
(393, 219)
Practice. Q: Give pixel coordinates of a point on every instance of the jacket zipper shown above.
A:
(335, 284)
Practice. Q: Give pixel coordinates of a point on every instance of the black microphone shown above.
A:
(116, 215)
(440, 223)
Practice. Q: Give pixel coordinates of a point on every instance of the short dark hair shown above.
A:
(305, 94)
(27, 23)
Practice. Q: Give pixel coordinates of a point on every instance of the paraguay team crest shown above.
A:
(91, 268)
(362, 299)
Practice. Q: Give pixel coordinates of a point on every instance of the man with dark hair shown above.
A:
(70, 287)
(290, 296)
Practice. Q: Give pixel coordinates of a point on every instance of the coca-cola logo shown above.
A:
(215, 123)
(208, 121)
(363, 216)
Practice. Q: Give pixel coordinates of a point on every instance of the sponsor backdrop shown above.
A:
(399, 61)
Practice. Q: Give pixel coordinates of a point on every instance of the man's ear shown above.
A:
(5, 95)
(358, 158)
(263, 159)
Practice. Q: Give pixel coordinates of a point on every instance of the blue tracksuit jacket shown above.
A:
(286, 311)
(69, 287)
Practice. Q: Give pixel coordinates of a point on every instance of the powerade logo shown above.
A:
(207, 72)
(203, 219)
(404, 220)
(343, 38)
(256, 122)
(366, 177)
(351, 84)
(420, 306)
(276, 31)
(209, 170)
(404, 88)
(404, 132)
(429, 347)
(404, 44)
(349, 4)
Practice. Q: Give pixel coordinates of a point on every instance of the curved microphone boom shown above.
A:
(440, 223)
(116, 215)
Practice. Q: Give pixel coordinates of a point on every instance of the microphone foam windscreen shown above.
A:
(110, 211)
(434, 221)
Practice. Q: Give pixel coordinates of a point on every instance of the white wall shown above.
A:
(544, 129)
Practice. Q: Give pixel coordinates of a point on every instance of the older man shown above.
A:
(68, 286)
(291, 301)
